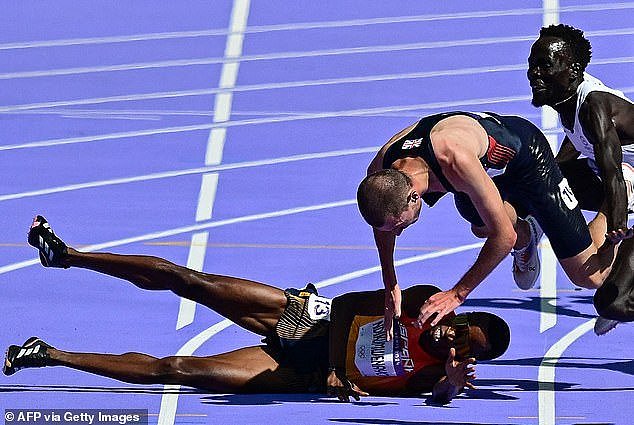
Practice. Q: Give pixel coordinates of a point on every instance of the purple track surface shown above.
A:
(100, 98)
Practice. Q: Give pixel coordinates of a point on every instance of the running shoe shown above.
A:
(602, 326)
(33, 353)
(52, 249)
(526, 265)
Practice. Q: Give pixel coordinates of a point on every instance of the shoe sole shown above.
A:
(603, 331)
(7, 363)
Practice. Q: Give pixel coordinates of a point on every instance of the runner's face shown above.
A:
(440, 338)
(407, 218)
(550, 71)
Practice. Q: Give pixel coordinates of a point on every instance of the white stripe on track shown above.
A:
(546, 373)
(169, 401)
(215, 148)
(257, 121)
(310, 25)
(293, 55)
(290, 84)
(192, 228)
(269, 120)
(190, 171)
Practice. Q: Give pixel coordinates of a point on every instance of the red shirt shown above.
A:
(374, 365)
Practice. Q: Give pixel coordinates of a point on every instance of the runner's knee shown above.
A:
(609, 305)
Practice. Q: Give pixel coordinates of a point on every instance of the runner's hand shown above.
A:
(392, 309)
(460, 374)
(440, 304)
(341, 387)
(618, 235)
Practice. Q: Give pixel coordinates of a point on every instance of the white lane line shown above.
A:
(169, 401)
(290, 84)
(548, 279)
(402, 262)
(193, 228)
(215, 145)
(195, 261)
(546, 374)
(190, 171)
(294, 55)
(309, 25)
(284, 118)
(257, 121)
(548, 289)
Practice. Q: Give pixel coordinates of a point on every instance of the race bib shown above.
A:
(374, 356)
(319, 307)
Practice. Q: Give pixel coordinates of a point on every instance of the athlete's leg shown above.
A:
(615, 298)
(250, 369)
(254, 306)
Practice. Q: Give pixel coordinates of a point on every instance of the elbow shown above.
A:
(506, 240)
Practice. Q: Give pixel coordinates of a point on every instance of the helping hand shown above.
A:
(392, 310)
(341, 387)
(440, 304)
(618, 235)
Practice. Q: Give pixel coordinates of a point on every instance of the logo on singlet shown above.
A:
(410, 144)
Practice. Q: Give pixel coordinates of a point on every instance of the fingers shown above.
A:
(439, 316)
(618, 235)
(343, 393)
(388, 320)
(439, 304)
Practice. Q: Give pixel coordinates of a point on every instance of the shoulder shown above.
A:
(596, 108)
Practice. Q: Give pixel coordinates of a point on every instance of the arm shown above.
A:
(458, 376)
(385, 242)
(464, 171)
(567, 151)
(344, 309)
(598, 127)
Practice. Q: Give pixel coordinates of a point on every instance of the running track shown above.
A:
(230, 136)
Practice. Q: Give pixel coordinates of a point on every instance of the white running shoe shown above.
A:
(602, 326)
(526, 266)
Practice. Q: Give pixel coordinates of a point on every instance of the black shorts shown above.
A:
(534, 184)
(301, 341)
(585, 183)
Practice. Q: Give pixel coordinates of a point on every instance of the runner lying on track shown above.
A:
(311, 343)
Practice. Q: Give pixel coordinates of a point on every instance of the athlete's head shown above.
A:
(484, 336)
(387, 201)
(556, 64)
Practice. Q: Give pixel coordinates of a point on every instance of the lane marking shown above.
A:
(190, 171)
(215, 147)
(193, 228)
(257, 121)
(307, 25)
(290, 84)
(546, 374)
(294, 55)
(284, 118)
(548, 278)
(169, 401)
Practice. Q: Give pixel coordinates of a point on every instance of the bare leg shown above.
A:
(615, 298)
(254, 306)
(250, 369)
